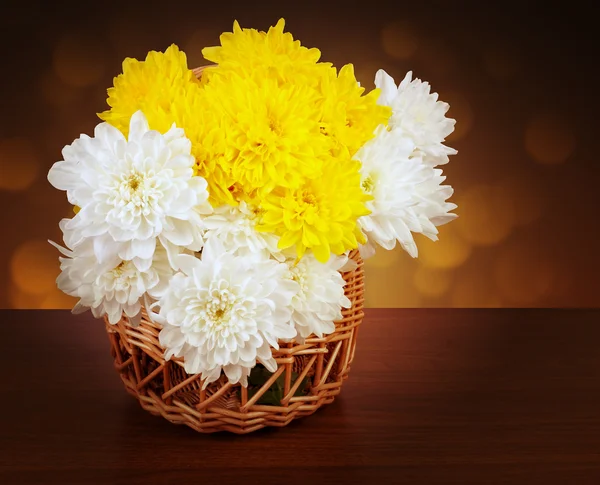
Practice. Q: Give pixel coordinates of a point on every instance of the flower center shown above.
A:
(309, 198)
(138, 189)
(134, 181)
(368, 184)
(236, 191)
(274, 126)
(121, 277)
(118, 270)
(219, 309)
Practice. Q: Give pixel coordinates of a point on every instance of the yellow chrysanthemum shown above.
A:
(349, 117)
(156, 86)
(273, 54)
(273, 129)
(320, 215)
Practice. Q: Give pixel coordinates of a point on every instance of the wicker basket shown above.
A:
(307, 377)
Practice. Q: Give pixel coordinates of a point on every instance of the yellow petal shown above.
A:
(321, 252)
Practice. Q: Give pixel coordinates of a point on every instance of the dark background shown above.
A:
(521, 79)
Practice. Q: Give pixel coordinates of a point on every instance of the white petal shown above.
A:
(138, 126)
(386, 83)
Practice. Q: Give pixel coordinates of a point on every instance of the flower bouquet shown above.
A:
(221, 216)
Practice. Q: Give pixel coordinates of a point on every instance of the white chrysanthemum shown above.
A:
(419, 114)
(407, 194)
(235, 228)
(320, 297)
(133, 191)
(114, 286)
(224, 312)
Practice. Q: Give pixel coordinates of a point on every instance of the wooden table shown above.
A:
(434, 396)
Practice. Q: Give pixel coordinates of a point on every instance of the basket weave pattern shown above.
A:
(164, 388)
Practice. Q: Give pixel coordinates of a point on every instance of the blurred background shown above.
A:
(521, 80)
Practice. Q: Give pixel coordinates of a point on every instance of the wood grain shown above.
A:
(434, 396)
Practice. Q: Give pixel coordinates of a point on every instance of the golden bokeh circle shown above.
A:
(389, 280)
(34, 267)
(523, 274)
(485, 216)
(390, 288)
(432, 282)
(18, 164)
(384, 258)
(451, 251)
(55, 91)
(549, 139)
(79, 59)
(57, 300)
(524, 195)
(399, 41)
(20, 300)
(473, 290)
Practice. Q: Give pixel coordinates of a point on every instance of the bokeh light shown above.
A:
(79, 59)
(523, 273)
(34, 267)
(485, 219)
(399, 40)
(450, 251)
(475, 289)
(549, 139)
(524, 195)
(392, 286)
(432, 282)
(55, 91)
(21, 300)
(19, 166)
(56, 299)
(384, 258)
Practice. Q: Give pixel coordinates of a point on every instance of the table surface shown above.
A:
(434, 396)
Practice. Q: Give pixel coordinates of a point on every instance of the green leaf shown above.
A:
(272, 396)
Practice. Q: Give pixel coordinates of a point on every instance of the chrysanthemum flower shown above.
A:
(133, 192)
(111, 287)
(320, 215)
(320, 297)
(419, 114)
(258, 54)
(157, 86)
(407, 193)
(224, 312)
(347, 116)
